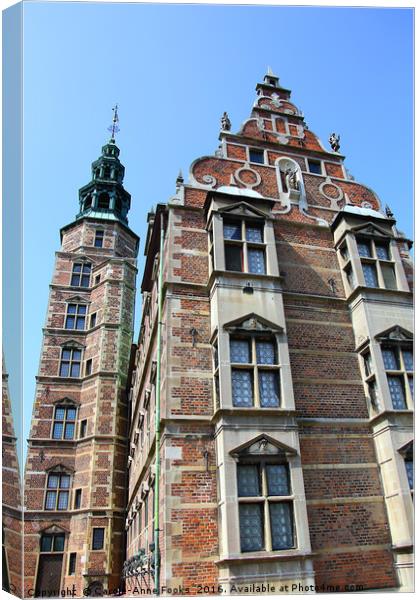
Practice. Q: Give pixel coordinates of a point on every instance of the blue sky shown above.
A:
(174, 69)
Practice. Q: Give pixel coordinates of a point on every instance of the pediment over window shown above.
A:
(252, 323)
(77, 299)
(66, 402)
(371, 229)
(263, 445)
(242, 209)
(395, 334)
(82, 258)
(51, 529)
(72, 344)
(60, 468)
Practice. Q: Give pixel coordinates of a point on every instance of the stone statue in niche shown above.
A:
(225, 122)
(334, 142)
(291, 179)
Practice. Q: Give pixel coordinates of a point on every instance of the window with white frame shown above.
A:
(265, 500)
(377, 265)
(255, 371)
(244, 246)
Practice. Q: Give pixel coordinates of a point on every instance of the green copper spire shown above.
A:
(104, 197)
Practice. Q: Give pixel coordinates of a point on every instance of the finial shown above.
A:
(114, 127)
(179, 180)
(225, 122)
(269, 71)
(389, 212)
(334, 142)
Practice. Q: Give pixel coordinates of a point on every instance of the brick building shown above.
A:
(75, 480)
(285, 373)
(11, 498)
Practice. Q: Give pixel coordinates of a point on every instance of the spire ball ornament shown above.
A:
(334, 142)
(225, 122)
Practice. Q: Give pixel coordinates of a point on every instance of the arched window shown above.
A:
(103, 201)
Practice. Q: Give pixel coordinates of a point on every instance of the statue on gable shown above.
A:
(334, 142)
(225, 122)
(291, 179)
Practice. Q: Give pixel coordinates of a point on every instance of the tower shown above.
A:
(286, 373)
(76, 466)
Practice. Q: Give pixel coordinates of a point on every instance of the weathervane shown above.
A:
(114, 127)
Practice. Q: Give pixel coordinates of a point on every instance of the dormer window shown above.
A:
(244, 246)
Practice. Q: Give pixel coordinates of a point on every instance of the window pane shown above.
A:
(71, 309)
(233, 258)
(391, 359)
(256, 260)
(58, 431)
(46, 543)
(75, 280)
(71, 414)
(256, 156)
(372, 392)
(242, 394)
(77, 354)
(350, 277)
(410, 472)
(371, 278)
(80, 323)
(63, 498)
(254, 233)
(77, 499)
(98, 538)
(408, 360)
(382, 251)
(64, 369)
(64, 481)
(251, 527)
(396, 389)
(240, 351)
(53, 481)
(364, 248)
(59, 542)
(72, 563)
(85, 281)
(232, 231)
(268, 382)
(411, 384)
(266, 353)
(278, 480)
(69, 431)
(75, 370)
(82, 309)
(69, 322)
(368, 363)
(77, 267)
(389, 276)
(281, 525)
(249, 480)
(86, 268)
(59, 413)
(66, 354)
(50, 500)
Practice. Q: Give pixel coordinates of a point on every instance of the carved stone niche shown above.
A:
(291, 180)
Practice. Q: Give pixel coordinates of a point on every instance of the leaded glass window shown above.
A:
(244, 246)
(271, 510)
(64, 423)
(382, 251)
(396, 389)
(408, 359)
(57, 494)
(256, 260)
(364, 248)
(369, 271)
(391, 359)
(70, 362)
(261, 385)
(76, 316)
(254, 233)
(242, 387)
(80, 276)
(232, 231)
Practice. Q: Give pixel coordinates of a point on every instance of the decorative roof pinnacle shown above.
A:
(114, 128)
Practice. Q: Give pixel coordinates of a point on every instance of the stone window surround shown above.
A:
(349, 258)
(378, 373)
(59, 470)
(237, 208)
(229, 532)
(406, 451)
(72, 346)
(65, 403)
(84, 262)
(223, 371)
(77, 303)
